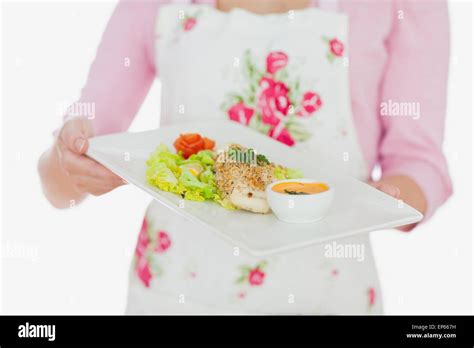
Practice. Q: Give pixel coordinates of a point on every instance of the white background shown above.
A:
(76, 261)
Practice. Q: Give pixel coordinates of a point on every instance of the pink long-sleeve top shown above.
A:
(399, 53)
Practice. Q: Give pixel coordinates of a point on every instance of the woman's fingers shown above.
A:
(76, 164)
(86, 184)
(79, 165)
(389, 189)
(87, 176)
(74, 135)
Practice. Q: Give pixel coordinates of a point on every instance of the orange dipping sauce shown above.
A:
(300, 188)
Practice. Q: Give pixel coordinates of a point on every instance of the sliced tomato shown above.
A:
(191, 143)
(186, 151)
(177, 143)
(191, 137)
(198, 145)
(209, 144)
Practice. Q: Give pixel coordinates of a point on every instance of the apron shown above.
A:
(286, 76)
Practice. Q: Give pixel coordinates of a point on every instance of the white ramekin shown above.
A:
(299, 208)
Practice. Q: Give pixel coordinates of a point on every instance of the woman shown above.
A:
(296, 65)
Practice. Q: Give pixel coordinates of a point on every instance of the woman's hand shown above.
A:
(67, 174)
(87, 175)
(404, 188)
(389, 189)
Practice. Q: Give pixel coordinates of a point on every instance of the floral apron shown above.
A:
(286, 76)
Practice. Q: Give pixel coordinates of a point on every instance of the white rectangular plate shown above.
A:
(357, 207)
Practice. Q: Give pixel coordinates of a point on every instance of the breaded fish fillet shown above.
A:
(243, 182)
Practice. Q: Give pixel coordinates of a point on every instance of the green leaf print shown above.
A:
(241, 279)
(244, 273)
(231, 99)
(235, 98)
(262, 264)
(330, 57)
(248, 97)
(250, 93)
(297, 86)
(251, 71)
(155, 267)
(294, 93)
(298, 131)
(257, 124)
(282, 75)
(245, 268)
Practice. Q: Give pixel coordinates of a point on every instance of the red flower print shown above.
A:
(240, 113)
(271, 107)
(143, 271)
(371, 296)
(266, 82)
(283, 136)
(336, 46)
(189, 23)
(311, 103)
(253, 275)
(273, 101)
(163, 242)
(143, 240)
(275, 61)
(335, 272)
(256, 277)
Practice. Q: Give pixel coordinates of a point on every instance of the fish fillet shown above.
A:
(242, 183)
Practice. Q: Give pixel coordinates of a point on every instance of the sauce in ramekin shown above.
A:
(300, 188)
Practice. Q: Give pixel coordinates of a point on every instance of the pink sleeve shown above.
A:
(417, 71)
(123, 69)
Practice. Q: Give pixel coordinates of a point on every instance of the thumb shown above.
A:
(75, 134)
(389, 189)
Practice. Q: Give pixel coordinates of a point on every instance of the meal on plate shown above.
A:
(235, 176)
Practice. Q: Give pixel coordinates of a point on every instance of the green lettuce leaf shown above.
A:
(282, 173)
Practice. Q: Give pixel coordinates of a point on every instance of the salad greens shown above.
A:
(193, 178)
(282, 173)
